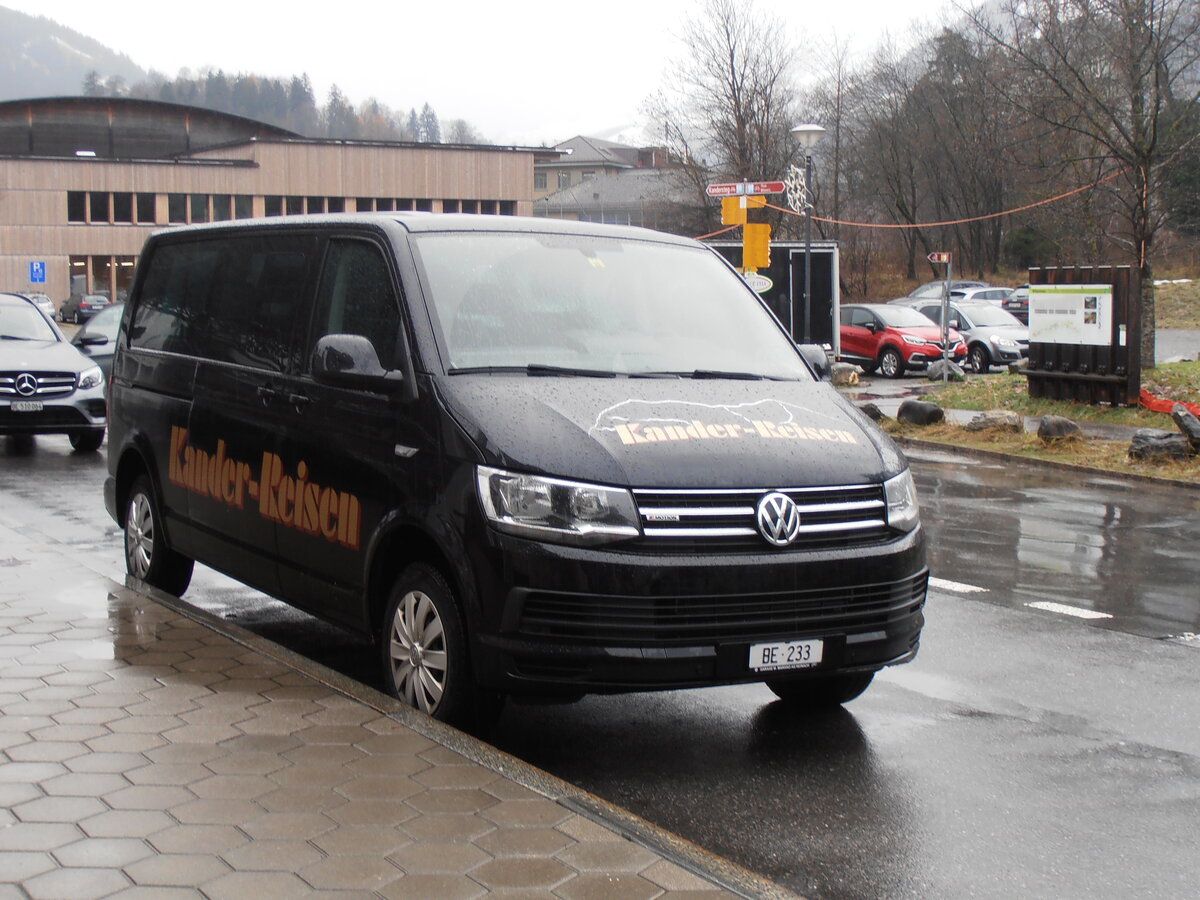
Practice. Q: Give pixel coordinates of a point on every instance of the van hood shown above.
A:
(671, 433)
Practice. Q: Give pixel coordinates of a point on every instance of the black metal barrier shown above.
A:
(1078, 371)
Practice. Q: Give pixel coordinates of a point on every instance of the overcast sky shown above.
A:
(520, 71)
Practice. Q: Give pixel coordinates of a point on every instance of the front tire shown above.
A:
(822, 691)
(891, 363)
(424, 652)
(147, 554)
(86, 441)
(979, 359)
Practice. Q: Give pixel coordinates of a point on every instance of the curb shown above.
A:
(980, 453)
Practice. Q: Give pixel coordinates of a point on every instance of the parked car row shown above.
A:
(902, 335)
(987, 326)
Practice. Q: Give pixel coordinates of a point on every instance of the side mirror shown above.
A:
(91, 340)
(818, 360)
(350, 360)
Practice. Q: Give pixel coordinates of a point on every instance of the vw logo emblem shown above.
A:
(778, 519)
(26, 385)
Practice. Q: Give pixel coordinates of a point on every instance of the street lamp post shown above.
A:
(809, 136)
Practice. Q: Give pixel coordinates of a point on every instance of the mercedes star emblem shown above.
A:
(26, 385)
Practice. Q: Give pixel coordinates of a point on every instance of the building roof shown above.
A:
(120, 128)
(589, 151)
(127, 128)
(624, 189)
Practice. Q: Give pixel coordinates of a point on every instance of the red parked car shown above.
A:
(893, 339)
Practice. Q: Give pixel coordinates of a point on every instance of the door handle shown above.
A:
(267, 394)
(299, 401)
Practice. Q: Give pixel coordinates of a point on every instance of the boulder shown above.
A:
(844, 374)
(919, 412)
(872, 412)
(1188, 424)
(1058, 428)
(953, 372)
(999, 419)
(1152, 444)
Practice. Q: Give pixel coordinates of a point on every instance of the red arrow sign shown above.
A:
(939, 256)
(724, 190)
(767, 187)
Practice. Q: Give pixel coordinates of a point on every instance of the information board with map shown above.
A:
(1078, 314)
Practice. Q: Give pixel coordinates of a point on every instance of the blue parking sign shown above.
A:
(37, 273)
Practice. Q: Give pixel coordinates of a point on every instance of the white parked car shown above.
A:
(46, 385)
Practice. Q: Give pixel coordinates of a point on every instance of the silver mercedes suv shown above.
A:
(46, 385)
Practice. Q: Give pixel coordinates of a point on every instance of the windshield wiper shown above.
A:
(713, 373)
(531, 369)
(542, 369)
(15, 337)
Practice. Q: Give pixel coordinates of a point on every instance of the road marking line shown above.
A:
(956, 586)
(1076, 611)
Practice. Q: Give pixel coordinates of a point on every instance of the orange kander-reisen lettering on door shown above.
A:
(294, 502)
(307, 506)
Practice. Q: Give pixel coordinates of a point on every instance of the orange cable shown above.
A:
(716, 233)
(997, 215)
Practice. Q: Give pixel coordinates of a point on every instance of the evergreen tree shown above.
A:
(431, 129)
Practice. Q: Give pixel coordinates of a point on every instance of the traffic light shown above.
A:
(756, 245)
(732, 211)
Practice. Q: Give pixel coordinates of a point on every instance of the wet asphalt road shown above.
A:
(1025, 753)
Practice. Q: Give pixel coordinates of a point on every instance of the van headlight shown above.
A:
(550, 509)
(904, 514)
(91, 378)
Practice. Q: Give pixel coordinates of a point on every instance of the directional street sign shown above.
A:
(939, 256)
(767, 187)
(744, 188)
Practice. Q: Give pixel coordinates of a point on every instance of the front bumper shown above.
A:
(569, 620)
(923, 358)
(84, 410)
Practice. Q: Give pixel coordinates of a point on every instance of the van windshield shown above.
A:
(588, 305)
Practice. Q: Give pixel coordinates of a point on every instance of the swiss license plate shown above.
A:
(785, 655)
(27, 406)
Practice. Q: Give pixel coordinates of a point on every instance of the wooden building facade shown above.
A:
(77, 212)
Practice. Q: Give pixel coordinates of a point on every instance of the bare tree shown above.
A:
(1125, 76)
(728, 108)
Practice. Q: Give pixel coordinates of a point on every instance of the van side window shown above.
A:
(174, 296)
(356, 297)
(253, 312)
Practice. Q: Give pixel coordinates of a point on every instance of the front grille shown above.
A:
(664, 621)
(49, 384)
(727, 519)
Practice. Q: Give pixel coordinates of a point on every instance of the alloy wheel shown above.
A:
(139, 535)
(417, 651)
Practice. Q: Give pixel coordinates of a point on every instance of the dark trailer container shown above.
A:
(785, 296)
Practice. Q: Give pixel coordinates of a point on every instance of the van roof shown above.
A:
(425, 222)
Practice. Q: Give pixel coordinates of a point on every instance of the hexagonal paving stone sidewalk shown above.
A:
(145, 752)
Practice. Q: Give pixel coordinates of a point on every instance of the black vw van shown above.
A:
(526, 456)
